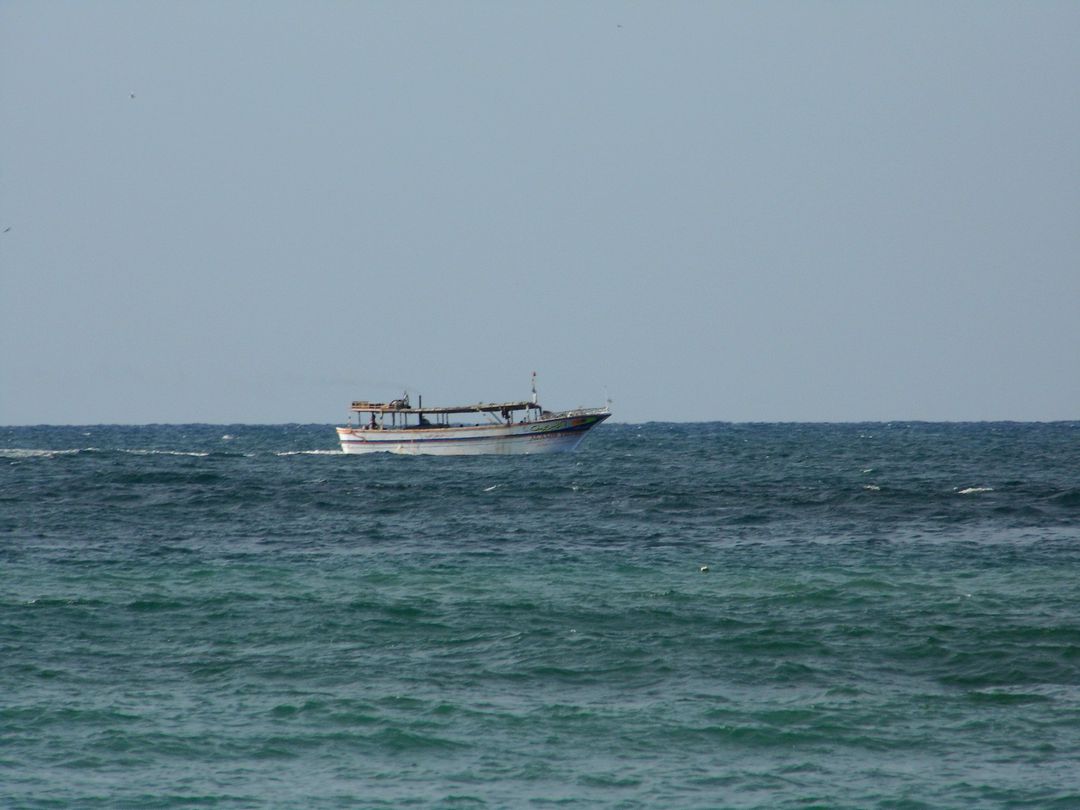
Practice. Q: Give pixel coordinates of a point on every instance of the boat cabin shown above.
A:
(399, 414)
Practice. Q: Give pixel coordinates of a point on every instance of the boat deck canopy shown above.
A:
(401, 406)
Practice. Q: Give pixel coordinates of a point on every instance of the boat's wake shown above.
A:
(311, 453)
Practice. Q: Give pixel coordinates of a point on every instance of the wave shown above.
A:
(194, 453)
(310, 453)
(20, 453)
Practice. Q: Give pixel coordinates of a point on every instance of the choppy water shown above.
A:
(208, 616)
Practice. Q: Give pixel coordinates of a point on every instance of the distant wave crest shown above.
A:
(19, 453)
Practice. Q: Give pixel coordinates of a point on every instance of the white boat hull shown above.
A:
(558, 433)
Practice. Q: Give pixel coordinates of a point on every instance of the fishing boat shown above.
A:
(465, 430)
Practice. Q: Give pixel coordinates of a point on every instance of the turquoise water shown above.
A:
(211, 616)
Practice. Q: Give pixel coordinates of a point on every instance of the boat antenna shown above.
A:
(534, 388)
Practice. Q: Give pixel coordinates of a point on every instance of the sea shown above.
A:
(708, 615)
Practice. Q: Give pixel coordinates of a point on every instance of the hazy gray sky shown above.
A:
(258, 211)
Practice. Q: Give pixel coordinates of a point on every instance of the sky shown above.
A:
(771, 211)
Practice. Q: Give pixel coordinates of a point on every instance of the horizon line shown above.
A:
(610, 422)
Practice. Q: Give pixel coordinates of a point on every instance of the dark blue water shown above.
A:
(209, 616)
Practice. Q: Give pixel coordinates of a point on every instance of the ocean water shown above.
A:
(241, 617)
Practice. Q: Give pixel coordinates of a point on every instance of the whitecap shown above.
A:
(872, 487)
(311, 453)
(488, 489)
(974, 490)
(19, 453)
(136, 452)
